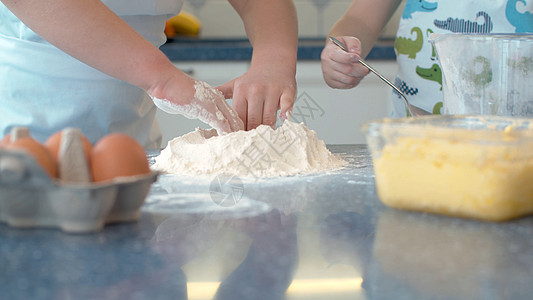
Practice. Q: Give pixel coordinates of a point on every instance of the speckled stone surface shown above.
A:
(186, 49)
(318, 236)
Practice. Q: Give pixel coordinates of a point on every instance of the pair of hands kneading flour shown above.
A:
(290, 149)
(227, 149)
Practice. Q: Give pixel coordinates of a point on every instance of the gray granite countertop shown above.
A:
(190, 49)
(319, 236)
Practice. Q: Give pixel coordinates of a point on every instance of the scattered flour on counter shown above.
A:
(263, 152)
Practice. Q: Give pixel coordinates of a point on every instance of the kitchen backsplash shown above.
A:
(315, 17)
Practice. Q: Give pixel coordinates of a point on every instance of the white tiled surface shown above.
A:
(315, 17)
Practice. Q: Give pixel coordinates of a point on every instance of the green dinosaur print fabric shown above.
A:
(419, 74)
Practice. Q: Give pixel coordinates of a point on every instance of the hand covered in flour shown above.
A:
(260, 92)
(199, 101)
(341, 69)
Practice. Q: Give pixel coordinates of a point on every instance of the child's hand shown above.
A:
(260, 92)
(198, 100)
(341, 69)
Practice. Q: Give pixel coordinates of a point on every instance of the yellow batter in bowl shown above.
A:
(464, 166)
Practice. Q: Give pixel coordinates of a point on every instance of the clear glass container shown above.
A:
(486, 74)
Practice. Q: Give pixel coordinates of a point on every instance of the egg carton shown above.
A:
(29, 198)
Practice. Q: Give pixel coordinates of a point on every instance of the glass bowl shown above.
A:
(486, 74)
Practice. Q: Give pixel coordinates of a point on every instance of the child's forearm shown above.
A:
(93, 34)
(272, 28)
(365, 20)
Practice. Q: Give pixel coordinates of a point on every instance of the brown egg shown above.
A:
(38, 151)
(53, 143)
(5, 140)
(71, 150)
(117, 155)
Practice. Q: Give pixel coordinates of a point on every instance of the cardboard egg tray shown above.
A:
(29, 198)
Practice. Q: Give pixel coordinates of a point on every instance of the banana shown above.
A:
(183, 24)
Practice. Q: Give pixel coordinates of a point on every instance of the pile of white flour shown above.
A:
(263, 152)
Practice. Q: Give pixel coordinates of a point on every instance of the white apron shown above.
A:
(47, 90)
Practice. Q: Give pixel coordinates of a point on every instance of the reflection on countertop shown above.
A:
(239, 49)
(317, 236)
